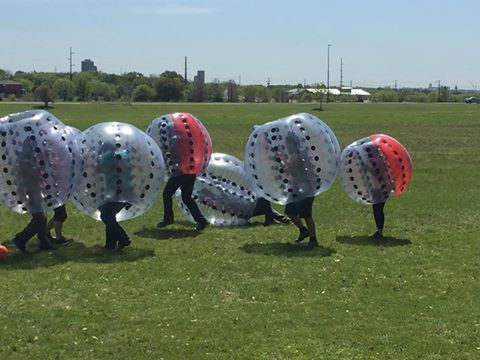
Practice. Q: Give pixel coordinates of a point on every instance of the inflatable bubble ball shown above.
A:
(374, 168)
(34, 115)
(119, 163)
(222, 192)
(184, 141)
(292, 158)
(36, 160)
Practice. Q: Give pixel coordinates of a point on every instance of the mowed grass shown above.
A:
(248, 293)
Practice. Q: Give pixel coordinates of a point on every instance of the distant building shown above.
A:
(200, 77)
(88, 65)
(360, 94)
(9, 87)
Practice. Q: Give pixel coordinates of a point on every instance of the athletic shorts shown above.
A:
(302, 208)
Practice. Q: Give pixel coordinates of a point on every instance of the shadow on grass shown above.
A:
(387, 241)
(286, 249)
(76, 252)
(43, 107)
(167, 233)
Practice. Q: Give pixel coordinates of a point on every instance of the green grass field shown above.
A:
(248, 293)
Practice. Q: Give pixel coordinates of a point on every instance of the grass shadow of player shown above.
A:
(75, 251)
(386, 241)
(43, 107)
(167, 233)
(287, 249)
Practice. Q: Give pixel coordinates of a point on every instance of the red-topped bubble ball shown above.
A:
(3, 252)
(185, 143)
(374, 168)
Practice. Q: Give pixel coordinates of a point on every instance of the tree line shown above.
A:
(170, 86)
(133, 86)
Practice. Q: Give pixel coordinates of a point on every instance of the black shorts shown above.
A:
(302, 208)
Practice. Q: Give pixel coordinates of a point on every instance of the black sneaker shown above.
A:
(20, 245)
(164, 223)
(123, 244)
(377, 235)
(201, 225)
(313, 243)
(303, 235)
(282, 219)
(62, 241)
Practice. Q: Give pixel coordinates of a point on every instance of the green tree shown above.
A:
(27, 85)
(143, 93)
(82, 85)
(45, 93)
(101, 91)
(64, 89)
(5, 74)
(385, 95)
(232, 91)
(215, 91)
(249, 93)
(279, 94)
(169, 86)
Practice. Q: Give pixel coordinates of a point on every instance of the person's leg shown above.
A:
(263, 207)
(36, 226)
(107, 215)
(187, 189)
(59, 217)
(304, 208)
(379, 217)
(172, 185)
(291, 211)
(312, 231)
(118, 232)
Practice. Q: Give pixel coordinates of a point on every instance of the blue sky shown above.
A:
(413, 42)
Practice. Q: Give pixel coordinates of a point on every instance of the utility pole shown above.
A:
(395, 85)
(185, 77)
(328, 72)
(341, 73)
(438, 89)
(239, 80)
(268, 81)
(70, 58)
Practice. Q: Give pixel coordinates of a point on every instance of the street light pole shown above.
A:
(328, 72)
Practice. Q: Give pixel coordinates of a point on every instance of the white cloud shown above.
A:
(180, 10)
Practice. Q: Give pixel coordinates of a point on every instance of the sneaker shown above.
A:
(62, 241)
(20, 245)
(303, 234)
(313, 243)
(201, 225)
(123, 244)
(282, 219)
(164, 223)
(377, 235)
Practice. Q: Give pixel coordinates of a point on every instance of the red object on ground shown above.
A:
(397, 159)
(3, 252)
